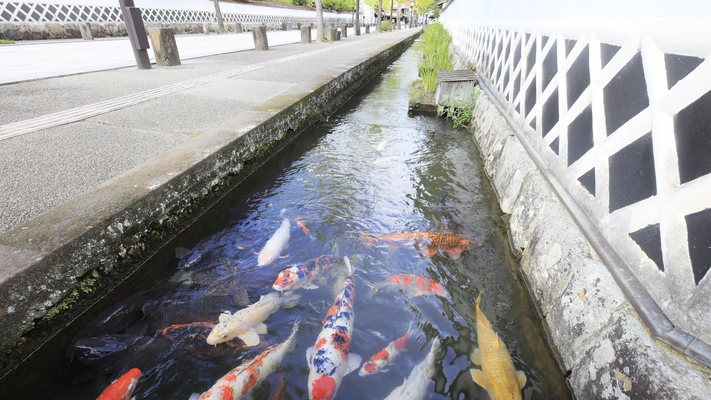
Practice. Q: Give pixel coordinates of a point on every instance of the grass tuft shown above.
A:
(6, 41)
(435, 55)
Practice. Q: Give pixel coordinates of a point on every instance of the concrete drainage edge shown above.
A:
(598, 336)
(57, 265)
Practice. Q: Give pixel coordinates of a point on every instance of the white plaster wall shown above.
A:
(650, 28)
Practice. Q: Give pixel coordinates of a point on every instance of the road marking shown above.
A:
(91, 110)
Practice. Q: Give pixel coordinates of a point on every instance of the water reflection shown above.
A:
(370, 171)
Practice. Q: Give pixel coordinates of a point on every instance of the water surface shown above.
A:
(372, 169)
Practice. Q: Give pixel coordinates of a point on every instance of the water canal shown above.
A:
(371, 170)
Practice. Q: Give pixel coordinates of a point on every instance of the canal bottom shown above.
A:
(371, 170)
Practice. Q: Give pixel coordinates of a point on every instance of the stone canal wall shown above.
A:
(60, 263)
(611, 100)
(598, 336)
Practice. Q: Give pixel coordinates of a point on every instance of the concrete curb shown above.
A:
(599, 338)
(62, 262)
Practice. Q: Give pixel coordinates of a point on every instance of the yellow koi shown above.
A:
(498, 375)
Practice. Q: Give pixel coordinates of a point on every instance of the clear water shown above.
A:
(371, 169)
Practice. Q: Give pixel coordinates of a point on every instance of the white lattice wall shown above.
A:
(41, 12)
(620, 109)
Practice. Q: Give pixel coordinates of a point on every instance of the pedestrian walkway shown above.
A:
(48, 58)
(60, 137)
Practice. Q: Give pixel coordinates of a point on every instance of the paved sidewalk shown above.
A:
(24, 61)
(60, 137)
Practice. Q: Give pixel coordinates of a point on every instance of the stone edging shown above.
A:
(60, 263)
(598, 337)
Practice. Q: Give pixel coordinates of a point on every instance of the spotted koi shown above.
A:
(385, 357)
(123, 387)
(239, 382)
(428, 243)
(299, 276)
(330, 358)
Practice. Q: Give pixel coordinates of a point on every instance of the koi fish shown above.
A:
(385, 357)
(498, 375)
(275, 244)
(415, 385)
(330, 359)
(248, 323)
(302, 226)
(428, 243)
(422, 286)
(303, 275)
(123, 387)
(239, 382)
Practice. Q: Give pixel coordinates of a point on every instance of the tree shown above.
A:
(380, 15)
(319, 21)
(422, 7)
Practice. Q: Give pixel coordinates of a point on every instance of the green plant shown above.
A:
(461, 110)
(6, 41)
(386, 26)
(435, 55)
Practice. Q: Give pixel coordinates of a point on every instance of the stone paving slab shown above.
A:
(70, 159)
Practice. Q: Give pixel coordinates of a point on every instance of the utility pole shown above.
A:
(380, 15)
(357, 23)
(319, 21)
(220, 25)
(136, 33)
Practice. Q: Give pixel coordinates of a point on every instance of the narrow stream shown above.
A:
(371, 170)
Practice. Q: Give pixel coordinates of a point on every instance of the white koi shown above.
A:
(415, 385)
(248, 323)
(275, 244)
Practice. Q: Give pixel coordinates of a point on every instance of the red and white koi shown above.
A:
(412, 285)
(275, 244)
(416, 384)
(303, 275)
(330, 359)
(123, 387)
(385, 357)
(239, 382)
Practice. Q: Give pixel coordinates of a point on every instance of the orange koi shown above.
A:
(428, 243)
(123, 387)
(422, 286)
(302, 226)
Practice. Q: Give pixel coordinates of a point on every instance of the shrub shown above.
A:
(386, 26)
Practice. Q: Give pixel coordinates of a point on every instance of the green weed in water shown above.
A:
(435, 55)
